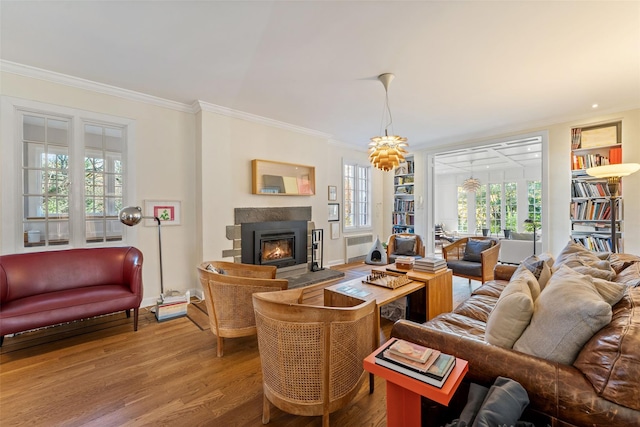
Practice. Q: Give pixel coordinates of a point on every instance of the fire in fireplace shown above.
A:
(279, 243)
(276, 248)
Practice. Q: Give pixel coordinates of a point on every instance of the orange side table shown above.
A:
(403, 392)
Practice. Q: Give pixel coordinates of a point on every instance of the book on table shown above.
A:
(411, 351)
(435, 375)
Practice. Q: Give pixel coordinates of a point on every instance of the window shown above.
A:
(357, 196)
(71, 167)
(534, 196)
(463, 224)
(481, 208)
(511, 205)
(495, 208)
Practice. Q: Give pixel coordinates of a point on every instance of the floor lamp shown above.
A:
(132, 215)
(613, 173)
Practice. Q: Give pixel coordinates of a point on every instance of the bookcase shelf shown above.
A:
(403, 198)
(590, 210)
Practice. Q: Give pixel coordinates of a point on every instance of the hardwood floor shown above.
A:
(99, 372)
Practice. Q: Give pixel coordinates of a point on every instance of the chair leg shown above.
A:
(265, 410)
(128, 313)
(135, 318)
(220, 349)
(325, 419)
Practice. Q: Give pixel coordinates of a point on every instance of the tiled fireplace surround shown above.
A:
(256, 215)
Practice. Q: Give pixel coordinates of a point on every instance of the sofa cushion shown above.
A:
(566, 315)
(512, 312)
(504, 404)
(538, 271)
(609, 360)
(477, 307)
(630, 276)
(521, 236)
(492, 288)
(405, 246)
(621, 261)
(594, 268)
(611, 292)
(474, 248)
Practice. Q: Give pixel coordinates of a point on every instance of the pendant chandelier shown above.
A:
(386, 152)
(471, 184)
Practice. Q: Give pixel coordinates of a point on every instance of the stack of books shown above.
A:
(430, 264)
(422, 363)
(172, 305)
(405, 262)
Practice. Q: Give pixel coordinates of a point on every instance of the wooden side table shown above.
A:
(404, 392)
(438, 287)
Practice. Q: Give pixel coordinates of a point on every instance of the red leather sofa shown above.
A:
(47, 288)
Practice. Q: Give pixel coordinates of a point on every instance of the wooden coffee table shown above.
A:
(354, 292)
(438, 287)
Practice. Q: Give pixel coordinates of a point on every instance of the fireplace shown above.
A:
(279, 243)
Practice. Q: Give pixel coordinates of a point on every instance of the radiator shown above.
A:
(357, 247)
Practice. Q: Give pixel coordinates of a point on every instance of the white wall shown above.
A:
(202, 159)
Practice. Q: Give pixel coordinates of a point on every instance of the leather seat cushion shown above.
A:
(609, 359)
(65, 306)
(477, 307)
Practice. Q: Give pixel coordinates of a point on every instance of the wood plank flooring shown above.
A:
(99, 372)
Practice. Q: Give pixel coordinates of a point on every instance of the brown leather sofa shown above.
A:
(601, 388)
(40, 289)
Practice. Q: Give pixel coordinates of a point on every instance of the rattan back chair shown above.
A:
(228, 296)
(481, 270)
(311, 356)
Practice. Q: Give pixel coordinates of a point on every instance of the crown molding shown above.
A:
(230, 112)
(195, 107)
(76, 82)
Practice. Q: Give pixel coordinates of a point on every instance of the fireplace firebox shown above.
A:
(279, 243)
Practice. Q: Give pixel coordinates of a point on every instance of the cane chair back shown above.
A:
(228, 296)
(311, 356)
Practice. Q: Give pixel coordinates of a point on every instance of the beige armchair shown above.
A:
(228, 296)
(311, 356)
(470, 260)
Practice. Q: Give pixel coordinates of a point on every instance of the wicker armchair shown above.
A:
(481, 270)
(228, 296)
(311, 356)
(392, 250)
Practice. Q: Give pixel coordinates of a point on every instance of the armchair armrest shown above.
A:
(489, 260)
(454, 250)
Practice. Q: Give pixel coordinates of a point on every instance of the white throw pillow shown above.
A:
(566, 315)
(511, 314)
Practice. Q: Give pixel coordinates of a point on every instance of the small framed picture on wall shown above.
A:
(334, 212)
(333, 193)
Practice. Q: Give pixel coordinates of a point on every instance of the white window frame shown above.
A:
(11, 110)
(358, 191)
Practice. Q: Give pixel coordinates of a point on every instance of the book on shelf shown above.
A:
(411, 351)
(436, 375)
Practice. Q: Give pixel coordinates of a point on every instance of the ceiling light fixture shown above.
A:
(386, 152)
(471, 184)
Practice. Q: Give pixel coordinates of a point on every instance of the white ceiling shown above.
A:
(463, 69)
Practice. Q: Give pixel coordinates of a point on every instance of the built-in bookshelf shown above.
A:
(590, 209)
(403, 199)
